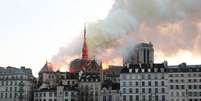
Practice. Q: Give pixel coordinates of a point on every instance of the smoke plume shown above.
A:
(171, 25)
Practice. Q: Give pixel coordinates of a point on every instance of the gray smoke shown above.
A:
(171, 25)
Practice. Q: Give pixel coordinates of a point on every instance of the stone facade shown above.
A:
(16, 84)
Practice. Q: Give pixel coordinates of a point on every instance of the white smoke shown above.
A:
(171, 25)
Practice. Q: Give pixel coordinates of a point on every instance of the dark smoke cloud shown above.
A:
(171, 25)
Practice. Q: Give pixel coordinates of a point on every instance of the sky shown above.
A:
(32, 31)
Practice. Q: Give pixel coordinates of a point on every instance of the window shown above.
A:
(163, 97)
(189, 87)
(177, 86)
(156, 97)
(124, 97)
(171, 87)
(110, 97)
(130, 83)
(162, 77)
(163, 90)
(143, 90)
(177, 93)
(156, 83)
(104, 98)
(11, 89)
(156, 90)
(143, 97)
(149, 83)
(162, 83)
(131, 98)
(124, 90)
(130, 90)
(195, 87)
(66, 93)
(149, 76)
(182, 87)
(10, 95)
(136, 97)
(189, 80)
(149, 90)
(183, 93)
(171, 81)
(143, 83)
(150, 98)
(137, 90)
(124, 83)
(136, 83)
(170, 75)
(1, 95)
(15, 88)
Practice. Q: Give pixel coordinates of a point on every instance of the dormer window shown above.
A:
(142, 70)
(136, 70)
(149, 70)
(130, 70)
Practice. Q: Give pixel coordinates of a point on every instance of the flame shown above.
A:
(115, 61)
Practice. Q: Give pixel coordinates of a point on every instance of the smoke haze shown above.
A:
(171, 25)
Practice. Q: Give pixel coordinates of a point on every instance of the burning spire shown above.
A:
(85, 48)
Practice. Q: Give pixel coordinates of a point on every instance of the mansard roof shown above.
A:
(53, 89)
(13, 70)
(139, 68)
(184, 68)
(71, 75)
(158, 68)
(90, 77)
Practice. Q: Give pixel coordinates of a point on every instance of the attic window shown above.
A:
(136, 70)
(149, 70)
(142, 70)
(130, 70)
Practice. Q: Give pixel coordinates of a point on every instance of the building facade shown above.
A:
(110, 91)
(16, 84)
(60, 93)
(184, 82)
(90, 86)
(143, 82)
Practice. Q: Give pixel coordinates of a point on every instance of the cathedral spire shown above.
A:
(85, 48)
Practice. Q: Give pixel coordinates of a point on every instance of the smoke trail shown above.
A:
(170, 25)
